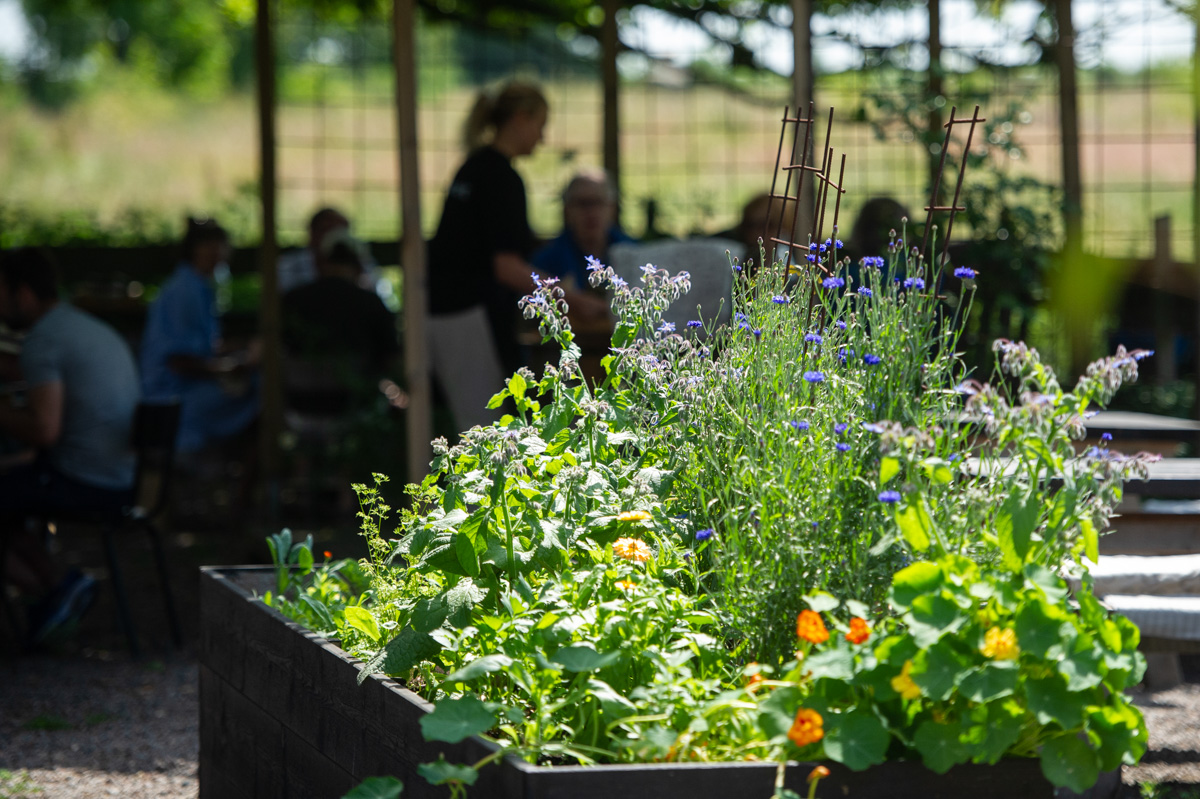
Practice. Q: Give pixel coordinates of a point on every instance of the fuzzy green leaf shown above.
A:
(583, 658)
(993, 729)
(833, 664)
(401, 653)
(916, 524)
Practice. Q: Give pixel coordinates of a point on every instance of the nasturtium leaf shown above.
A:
(1038, 627)
(362, 620)
(479, 667)
(938, 669)
(441, 771)
(1068, 761)
(401, 653)
(912, 581)
(1052, 585)
(916, 525)
(993, 729)
(821, 602)
(888, 468)
(376, 788)
(582, 657)
(940, 746)
(932, 616)
(856, 608)
(857, 740)
(833, 664)
(1122, 734)
(990, 681)
(1082, 669)
(778, 710)
(1051, 702)
(454, 720)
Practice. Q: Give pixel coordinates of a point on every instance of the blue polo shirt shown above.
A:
(563, 258)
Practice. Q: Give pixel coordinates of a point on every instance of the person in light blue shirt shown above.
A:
(589, 228)
(182, 354)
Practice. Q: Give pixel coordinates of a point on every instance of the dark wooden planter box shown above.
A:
(283, 717)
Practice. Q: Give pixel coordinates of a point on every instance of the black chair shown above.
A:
(155, 426)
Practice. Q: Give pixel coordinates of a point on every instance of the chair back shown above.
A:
(155, 427)
(707, 260)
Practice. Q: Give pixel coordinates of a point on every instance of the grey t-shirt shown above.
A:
(100, 392)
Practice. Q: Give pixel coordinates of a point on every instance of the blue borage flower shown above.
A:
(779, 299)
(889, 496)
(814, 377)
(965, 272)
(666, 327)
(872, 261)
(695, 323)
(813, 337)
(618, 283)
(864, 291)
(871, 360)
(648, 269)
(705, 534)
(799, 425)
(840, 428)
(842, 446)
(914, 283)
(833, 282)
(593, 263)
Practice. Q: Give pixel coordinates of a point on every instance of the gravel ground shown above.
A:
(98, 726)
(84, 727)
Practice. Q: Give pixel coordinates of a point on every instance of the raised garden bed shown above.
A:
(282, 715)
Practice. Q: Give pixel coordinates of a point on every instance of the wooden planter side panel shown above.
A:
(282, 713)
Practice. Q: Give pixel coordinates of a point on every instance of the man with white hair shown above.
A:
(589, 228)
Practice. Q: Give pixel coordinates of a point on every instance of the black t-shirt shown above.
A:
(332, 317)
(484, 214)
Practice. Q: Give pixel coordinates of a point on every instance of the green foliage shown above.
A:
(18, 785)
(377, 788)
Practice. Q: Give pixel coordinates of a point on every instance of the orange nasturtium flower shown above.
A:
(1000, 644)
(625, 585)
(631, 549)
(328, 554)
(633, 516)
(808, 728)
(904, 685)
(859, 631)
(810, 627)
(819, 773)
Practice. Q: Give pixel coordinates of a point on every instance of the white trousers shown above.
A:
(465, 362)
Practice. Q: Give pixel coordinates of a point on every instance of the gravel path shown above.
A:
(89, 728)
(84, 728)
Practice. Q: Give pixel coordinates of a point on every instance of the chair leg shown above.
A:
(164, 579)
(114, 573)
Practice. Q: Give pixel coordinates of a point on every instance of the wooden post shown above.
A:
(803, 88)
(935, 90)
(1068, 121)
(269, 315)
(610, 45)
(412, 247)
(1165, 367)
(1196, 199)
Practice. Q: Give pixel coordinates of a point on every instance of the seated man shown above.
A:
(342, 330)
(589, 228)
(298, 267)
(81, 393)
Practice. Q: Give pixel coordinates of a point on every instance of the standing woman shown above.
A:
(479, 257)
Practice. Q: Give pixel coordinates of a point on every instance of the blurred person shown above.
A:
(479, 258)
(182, 353)
(75, 415)
(589, 228)
(298, 267)
(871, 235)
(758, 220)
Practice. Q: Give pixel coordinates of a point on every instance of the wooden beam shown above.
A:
(1068, 122)
(269, 309)
(609, 46)
(803, 88)
(412, 249)
(1196, 190)
(935, 90)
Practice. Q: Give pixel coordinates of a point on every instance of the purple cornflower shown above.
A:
(757, 333)
(813, 337)
(889, 496)
(871, 360)
(779, 299)
(812, 247)
(705, 534)
(1105, 438)
(814, 377)
(799, 425)
(840, 428)
(873, 260)
(914, 283)
(864, 291)
(838, 244)
(812, 259)
(695, 323)
(842, 446)
(965, 272)
(840, 325)
(843, 353)
(833, 282)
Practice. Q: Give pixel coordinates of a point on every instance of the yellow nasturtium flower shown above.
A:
(633, 516)
(632, 549)
(1000, 644)
(904, 685)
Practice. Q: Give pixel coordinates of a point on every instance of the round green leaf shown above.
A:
(376, 788)
(1050, 700)
(1068, 761)
(857, 739)
(454, 720)
(915, 580)
(989, 682)
(939, 746)
(939, 669)
(441, 771)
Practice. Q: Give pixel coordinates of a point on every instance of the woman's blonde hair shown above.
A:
(491, 111)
